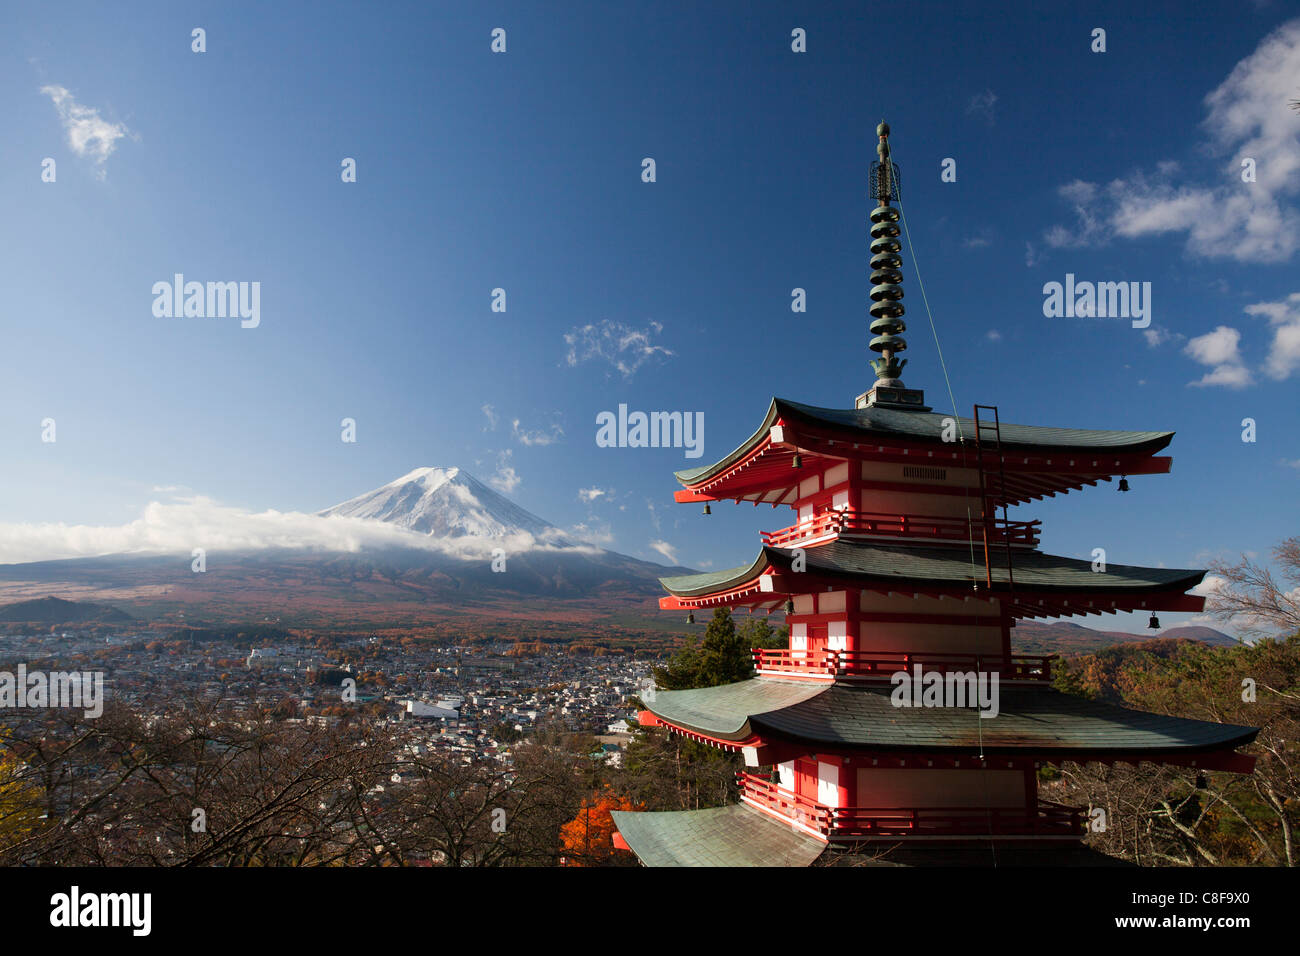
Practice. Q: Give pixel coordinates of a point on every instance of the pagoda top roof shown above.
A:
(734, 835)
(862, 564)
(1030, 720)
(920, 427)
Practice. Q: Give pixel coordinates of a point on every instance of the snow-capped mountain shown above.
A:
(446, 503)
(427, 555)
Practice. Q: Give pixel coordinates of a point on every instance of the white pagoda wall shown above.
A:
(935, 638)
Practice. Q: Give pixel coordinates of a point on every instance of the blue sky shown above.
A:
(522, 170)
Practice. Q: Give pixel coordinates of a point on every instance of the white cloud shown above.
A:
(591, 494)
(625, 348)
(492, 417)
(1247, 118)
(594, 533)
(1090, 228)
(977, 242)
(89, 134)
(1158, 335)
(1291, 464)
(1284, 351)
(981, 104)
(1032, 258)
(1220, 350)
(993, 335)
(178, 528)
(666, 549)
(547, 436)
(506, 479)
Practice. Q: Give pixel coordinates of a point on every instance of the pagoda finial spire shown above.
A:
(886, 293)
(886, 308)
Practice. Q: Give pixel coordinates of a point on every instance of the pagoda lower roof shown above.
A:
(1030, 721)
(917, 427)
(866, 565)
(736, 835)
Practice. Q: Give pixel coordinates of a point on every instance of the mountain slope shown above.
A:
(445, 503)
(438, 568)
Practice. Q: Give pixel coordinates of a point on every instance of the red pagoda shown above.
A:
(898, 563)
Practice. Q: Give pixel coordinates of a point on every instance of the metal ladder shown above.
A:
(989, 433)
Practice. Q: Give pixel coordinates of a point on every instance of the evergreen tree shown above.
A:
(722, 658)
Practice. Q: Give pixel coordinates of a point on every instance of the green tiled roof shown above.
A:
(902, 423)
(735, 835)
(1034, 570)
(723, 711)
(1038, 720)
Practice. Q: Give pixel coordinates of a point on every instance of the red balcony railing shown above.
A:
(790, 805)
(1047, 819)
(832, 663)
(877, 524)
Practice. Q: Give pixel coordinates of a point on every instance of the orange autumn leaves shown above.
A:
(588, 839)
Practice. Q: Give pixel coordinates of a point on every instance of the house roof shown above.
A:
(735, 835)
(1029, 719)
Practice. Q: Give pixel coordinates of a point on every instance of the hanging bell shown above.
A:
(690, 617)
(1154, 623)
(789, 605)
(798, 460)
(707, 510)
(1123, 484)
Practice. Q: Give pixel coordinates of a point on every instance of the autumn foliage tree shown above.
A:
(588, 839)
(20, 803)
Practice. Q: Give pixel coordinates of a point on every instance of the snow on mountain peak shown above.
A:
(445, 503)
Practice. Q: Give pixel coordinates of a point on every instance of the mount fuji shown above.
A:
(447, 503)
(417, 551)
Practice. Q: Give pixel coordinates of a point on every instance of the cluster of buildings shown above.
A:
(475, 700)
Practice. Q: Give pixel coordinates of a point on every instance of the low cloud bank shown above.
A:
(179, 528)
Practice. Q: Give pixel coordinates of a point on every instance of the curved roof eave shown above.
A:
(1036, 571)
(928, 426)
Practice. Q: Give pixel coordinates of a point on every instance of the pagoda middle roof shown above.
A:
(1030, 719)
(891, 423)
(735, 835)
(859, 562)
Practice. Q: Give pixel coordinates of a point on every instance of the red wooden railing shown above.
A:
(832, 663)
(808, 812)
(1048, 819)
(850, 522)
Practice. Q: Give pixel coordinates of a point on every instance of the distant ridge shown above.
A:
(52, 610)
(1065, 637)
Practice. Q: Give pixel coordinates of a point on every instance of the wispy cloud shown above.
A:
(541, 436)
(89, 134)
(1247, 119)
(505, 479)
(492, 417)
(981, 105)
(666, 549)
(591, 494)
(591, 532)
(1158, 335)
(622, 346)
